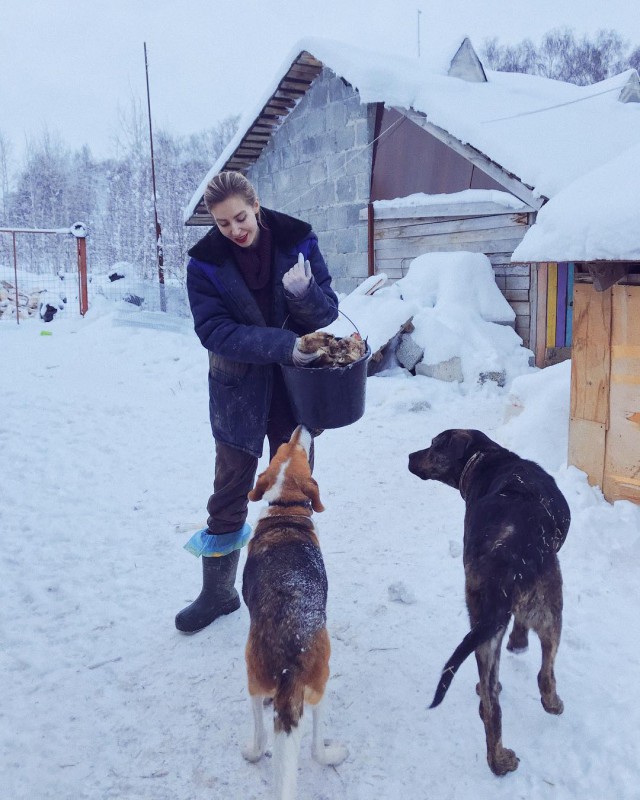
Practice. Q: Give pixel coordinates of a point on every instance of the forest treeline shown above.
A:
(562, 56)
(55, 186)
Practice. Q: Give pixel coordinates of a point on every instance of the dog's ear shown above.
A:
(460, 441)
(312, 491)
(262, 484)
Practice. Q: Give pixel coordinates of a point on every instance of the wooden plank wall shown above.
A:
(622, 459)
(590, 371)
(398, 240)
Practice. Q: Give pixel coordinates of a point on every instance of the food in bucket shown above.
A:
(335, 351)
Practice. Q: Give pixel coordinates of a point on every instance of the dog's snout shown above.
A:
(416, 465)
(304, 439)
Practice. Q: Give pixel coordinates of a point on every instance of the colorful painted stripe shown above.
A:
(552, 302)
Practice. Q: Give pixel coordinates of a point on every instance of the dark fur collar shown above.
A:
(290, 503)
(214, 248)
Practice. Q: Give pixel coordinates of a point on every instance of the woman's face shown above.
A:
(236, 219)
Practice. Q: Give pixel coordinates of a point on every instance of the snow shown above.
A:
(108, 461)
(466, 196)
(456, 309)
(547, 133)
(595, 217)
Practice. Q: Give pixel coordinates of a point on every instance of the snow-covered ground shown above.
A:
(107, 461)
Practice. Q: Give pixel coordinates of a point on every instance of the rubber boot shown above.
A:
(218, 596)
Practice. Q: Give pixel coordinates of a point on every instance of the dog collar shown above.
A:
(290, 503)
(477, 456)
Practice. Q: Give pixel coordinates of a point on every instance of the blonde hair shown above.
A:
(229, 184)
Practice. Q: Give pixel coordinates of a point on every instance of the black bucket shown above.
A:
(327, 397)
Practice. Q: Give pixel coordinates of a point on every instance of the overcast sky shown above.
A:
(71, 67)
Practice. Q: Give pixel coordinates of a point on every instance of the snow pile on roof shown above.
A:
(547, 133)
(466, 196)
(596, 217)
(457, 311)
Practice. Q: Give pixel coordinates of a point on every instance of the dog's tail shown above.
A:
(478, 635)
(288, 701)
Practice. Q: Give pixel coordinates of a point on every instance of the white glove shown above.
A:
(298, 279)
(301, 359)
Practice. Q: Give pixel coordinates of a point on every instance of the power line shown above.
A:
(550, 108)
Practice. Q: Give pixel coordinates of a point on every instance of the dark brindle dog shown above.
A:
(516, 520)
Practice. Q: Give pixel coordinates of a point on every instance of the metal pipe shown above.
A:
(15, 275)
(159, 249)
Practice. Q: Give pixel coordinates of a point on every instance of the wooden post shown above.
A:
(541, 315)
(370, 241)
(552, 303)
(561, 312)
(81, 246)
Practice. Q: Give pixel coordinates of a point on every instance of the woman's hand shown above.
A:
(297, 281)
(302, 359)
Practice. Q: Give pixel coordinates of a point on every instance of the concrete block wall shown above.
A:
(317, 167)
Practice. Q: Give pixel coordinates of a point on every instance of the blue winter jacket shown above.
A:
(243, 350)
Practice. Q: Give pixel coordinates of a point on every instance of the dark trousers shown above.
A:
(235, 469)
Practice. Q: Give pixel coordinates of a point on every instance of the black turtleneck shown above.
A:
(255, 265)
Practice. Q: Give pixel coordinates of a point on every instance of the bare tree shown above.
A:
(561, 56)
(5, 184)
(56, 187)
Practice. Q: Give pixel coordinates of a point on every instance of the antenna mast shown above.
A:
(159, 250)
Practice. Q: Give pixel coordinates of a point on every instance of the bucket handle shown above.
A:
(339, 312)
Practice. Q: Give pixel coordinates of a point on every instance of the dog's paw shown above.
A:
(253, 753)
(503, 761)
(518, 641)
(552, 705)
(330, 754)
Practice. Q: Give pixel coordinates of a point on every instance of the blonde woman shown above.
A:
(252, 271)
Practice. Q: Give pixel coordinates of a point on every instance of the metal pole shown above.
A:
(15, 274)
(159, 250)
(419, 13)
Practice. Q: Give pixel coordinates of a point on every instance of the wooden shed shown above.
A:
(604, 428)
(596, 221)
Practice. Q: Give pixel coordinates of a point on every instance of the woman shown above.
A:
(254, 271)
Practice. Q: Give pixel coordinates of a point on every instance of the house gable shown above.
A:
(630, 92)
(466, 65)
(409, 159)
(292, 88)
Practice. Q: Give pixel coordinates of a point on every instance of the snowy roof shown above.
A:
(546, 133)
(594, 218)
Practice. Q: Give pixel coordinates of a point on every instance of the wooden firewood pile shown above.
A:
(27, 305)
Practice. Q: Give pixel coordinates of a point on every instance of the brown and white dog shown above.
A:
(285, 588)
